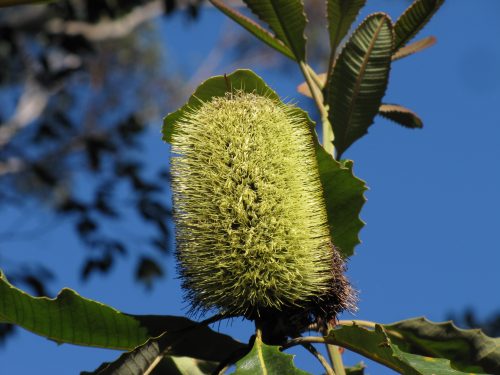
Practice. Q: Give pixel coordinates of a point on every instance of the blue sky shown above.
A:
(430, 243)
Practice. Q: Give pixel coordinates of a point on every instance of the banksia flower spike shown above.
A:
(251, 226)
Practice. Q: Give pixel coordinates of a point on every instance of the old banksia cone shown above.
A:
(251, 226)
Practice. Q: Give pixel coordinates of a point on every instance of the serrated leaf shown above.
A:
(70, 318)
(253, 28)
(341, 14)
(469, 350)
(358, 369)
(287, 19)
(413, 20)
(342, 191)
(400, 115)
(359, 80)
(414, 47)
(266, 360)
(376, 345)
(8, 3)
(189, 349)
(168, 365)
(344, 198)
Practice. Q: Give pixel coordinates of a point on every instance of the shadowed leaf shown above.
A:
(287, 19)
(341, 14)
(414, 47)
(401, 115)
(253, 28)
(359, 80)
(265, 359)
(413, 20)
(199, 346)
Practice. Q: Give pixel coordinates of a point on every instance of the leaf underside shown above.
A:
(414, 47)
(401, 115)
(413, 20)
(359, 80)
(341, 14)
(287, 20)
(253, 28)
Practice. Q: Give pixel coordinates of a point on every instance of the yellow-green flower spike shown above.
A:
(251, 226)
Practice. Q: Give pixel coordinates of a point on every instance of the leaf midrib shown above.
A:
(285, 31)
(361, 75)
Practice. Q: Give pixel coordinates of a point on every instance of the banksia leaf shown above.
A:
(341, 14)
(413, 20)
(287, 19)
(251, 225)
(401, 115)
(359, 80)
(414, 47)
(253, 28)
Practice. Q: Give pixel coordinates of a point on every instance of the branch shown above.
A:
(30, 106)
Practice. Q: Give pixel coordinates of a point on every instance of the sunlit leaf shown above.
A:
(264, 359)
(344, 199)
(359, 80)
(413, 20)
(253, 28)
(400, 115)
(414, 47)
(469, 350)
(70, 318)
(378, 346)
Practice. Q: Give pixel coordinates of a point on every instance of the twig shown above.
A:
(320, 358)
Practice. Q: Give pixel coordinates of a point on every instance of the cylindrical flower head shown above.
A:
(251, 226)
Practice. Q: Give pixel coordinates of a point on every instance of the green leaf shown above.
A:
(343, 193)
(468, 350)
(168, 365)
(414, 47)
(70, 318)
(266, 360)
(376, 345)
(401, 115)
(253, 28)
(200, 346)
(359, 80)
(358, 369)
(8, 3)
(341, 14)
(287, 19)
(413, 20)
